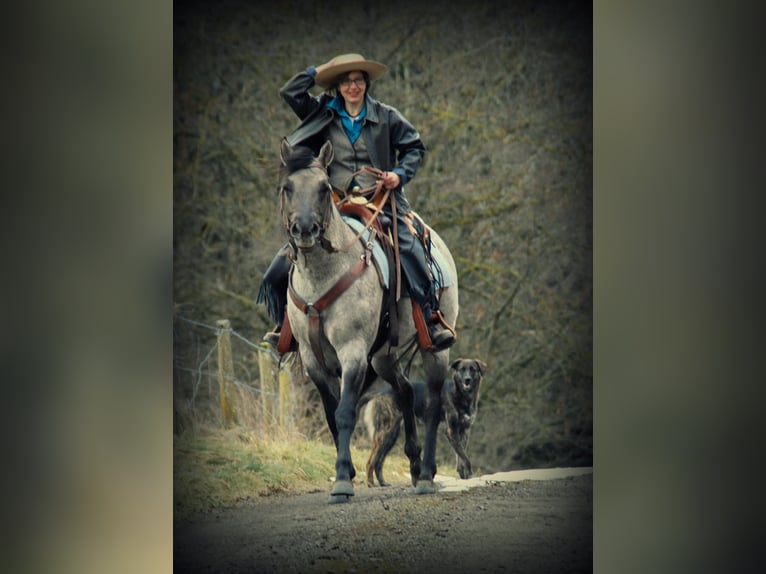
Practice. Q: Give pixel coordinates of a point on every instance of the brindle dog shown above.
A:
(460, 399)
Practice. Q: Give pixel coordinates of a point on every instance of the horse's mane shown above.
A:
(301, 157)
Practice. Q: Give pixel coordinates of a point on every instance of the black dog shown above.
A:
(460, 399)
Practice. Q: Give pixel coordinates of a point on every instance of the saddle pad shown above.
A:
(438, 268)
(378, 256)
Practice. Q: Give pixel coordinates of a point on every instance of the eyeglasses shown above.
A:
(347, 82)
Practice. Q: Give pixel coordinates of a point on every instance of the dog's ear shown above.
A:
(482, 366)
(455, 363)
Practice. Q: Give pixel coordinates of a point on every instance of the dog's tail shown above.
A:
(364, 399)
(367, 397)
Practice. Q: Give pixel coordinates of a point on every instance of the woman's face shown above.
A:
(353, 87)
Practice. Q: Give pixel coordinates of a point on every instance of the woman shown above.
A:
(363, 132)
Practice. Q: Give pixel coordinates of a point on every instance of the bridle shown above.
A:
(325, 220)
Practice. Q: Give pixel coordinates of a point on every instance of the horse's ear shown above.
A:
(285, 149)
(326, 154)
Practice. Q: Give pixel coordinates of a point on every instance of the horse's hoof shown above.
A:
(414, 473)
(338, 498)
(342, 487)
(425, 487)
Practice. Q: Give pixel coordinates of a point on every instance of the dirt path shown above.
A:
(510, 522)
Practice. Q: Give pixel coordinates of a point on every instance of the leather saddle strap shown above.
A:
(368, 222)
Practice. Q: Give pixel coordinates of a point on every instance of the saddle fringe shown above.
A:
(275, 301)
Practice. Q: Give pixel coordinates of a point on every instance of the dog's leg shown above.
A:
(464, 463)
(383, 424)
(370, 461)
(369, 417)
(385, 445)
(458, 439)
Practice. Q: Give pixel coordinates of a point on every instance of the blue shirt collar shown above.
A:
(352, 127)
(338, 105)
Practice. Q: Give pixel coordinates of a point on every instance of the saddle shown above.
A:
(366, 205)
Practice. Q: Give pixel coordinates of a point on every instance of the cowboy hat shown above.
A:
(347, 63)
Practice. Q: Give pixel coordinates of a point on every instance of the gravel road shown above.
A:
(499, 525)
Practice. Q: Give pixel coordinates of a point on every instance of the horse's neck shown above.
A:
(320, 267)
(340, 234)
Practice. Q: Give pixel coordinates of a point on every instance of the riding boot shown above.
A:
(441, 336)
(272, 339)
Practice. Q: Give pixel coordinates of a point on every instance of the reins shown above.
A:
(372, 191)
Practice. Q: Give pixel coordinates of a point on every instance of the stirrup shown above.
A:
(442, 335)
(441, 338)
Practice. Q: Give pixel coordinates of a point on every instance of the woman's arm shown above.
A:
(410, 150)
(296, 92)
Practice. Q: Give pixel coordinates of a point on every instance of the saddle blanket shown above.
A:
(439, 271)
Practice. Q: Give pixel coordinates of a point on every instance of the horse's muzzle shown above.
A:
(305, 233)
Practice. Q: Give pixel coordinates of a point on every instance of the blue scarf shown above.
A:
(352, 126)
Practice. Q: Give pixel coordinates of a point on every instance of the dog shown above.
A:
(460, 399)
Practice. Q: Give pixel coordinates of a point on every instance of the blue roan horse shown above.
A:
(346, 325)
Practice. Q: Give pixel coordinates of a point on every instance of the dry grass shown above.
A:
(220, 468)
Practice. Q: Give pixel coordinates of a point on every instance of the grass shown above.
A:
(215, 468)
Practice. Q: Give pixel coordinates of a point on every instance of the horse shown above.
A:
(335, 311)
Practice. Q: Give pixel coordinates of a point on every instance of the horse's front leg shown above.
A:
(330, 404)
(345, 420)
(406, 403)
(432, 417)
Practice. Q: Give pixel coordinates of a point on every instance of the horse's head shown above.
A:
(305, 192)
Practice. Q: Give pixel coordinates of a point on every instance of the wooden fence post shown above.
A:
(285, 400)
(268, 388)
(225, 372)
(277, 398)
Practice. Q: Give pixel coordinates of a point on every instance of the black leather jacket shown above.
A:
(392, 142)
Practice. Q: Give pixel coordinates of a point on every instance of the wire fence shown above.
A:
(221, 377)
